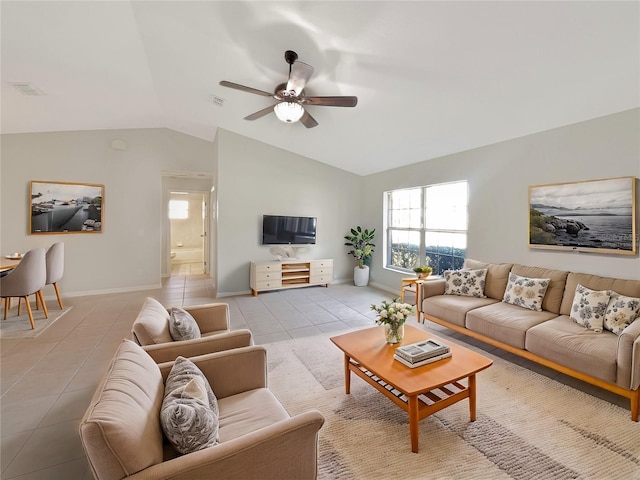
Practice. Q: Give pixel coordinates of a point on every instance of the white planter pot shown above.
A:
(361, 276)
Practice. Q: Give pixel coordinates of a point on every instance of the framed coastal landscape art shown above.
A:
(592, 216)
(65, 207)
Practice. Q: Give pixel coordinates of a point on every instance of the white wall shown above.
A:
(257, 179)
(128, 252)
(499, 176)
(253, 178)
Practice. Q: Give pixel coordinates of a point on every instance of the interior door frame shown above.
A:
(206, 228)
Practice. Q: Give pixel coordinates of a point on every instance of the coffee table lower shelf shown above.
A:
(429, 402)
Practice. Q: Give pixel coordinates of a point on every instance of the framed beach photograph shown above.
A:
(65, 207)
(596, 216)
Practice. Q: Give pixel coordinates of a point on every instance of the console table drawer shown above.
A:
(268, 267)
(321, 271)
(322, 264)
(266, 276)
(268, 284)
(321, 279)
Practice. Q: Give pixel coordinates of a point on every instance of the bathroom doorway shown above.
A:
(188, 227)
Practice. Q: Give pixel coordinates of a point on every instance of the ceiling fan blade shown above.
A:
(299, 75)
(260, 113)
(308, 121)
(330, 101)
(237, 86)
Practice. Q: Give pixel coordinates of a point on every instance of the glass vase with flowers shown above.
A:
(392, 314)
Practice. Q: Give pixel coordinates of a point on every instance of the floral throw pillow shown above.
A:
(589, 307)
(187, 419)
(621, 311)
(189, 415)
(526, 292)
(181, 373)
(182, 326)
(468, 283)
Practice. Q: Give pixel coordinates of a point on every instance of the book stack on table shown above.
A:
(421, 353)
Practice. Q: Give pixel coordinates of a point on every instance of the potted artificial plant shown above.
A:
(423, 271)
(362, 243)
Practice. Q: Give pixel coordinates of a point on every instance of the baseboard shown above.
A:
(107, 291)
(231, 294)
(386, 288)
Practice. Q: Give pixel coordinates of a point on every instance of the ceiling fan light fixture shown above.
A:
(289, 112)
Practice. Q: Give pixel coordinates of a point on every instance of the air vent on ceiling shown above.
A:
(219, 101)
(27, 88)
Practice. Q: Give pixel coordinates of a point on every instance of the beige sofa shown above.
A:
(549, 337)
(151, 330)
(123, 438)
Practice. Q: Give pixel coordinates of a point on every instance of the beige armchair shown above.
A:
(122, 435)
(151, 331)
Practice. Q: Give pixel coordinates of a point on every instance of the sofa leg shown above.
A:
(635, 404)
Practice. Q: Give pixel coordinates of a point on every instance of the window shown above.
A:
(178, 209)
(426, 222)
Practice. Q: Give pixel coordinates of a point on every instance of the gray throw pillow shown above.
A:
(181, 373)
(186, 418)
(189, 413)
(182, 326)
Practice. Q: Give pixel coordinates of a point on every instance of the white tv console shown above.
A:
(276, 275)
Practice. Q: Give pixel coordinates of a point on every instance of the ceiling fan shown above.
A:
(290, 96)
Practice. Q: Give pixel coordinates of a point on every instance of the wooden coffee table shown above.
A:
(419, 391)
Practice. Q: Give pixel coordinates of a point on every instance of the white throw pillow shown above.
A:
(468, 283)
(621, 311)
(182, 326)
(526, 292)
(589, 307)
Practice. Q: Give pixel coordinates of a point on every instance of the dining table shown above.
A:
(9, 262)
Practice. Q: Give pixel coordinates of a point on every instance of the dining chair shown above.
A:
(26, 279)
(55, 267)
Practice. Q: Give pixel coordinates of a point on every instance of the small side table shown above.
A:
(409, 284)
(413, 284)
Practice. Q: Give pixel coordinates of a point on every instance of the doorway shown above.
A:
(188, 227)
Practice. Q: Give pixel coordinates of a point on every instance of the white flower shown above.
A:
(383, 314)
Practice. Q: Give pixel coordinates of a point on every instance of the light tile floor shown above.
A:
(47, 382)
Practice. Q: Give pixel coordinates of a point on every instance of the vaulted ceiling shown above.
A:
(432, 78)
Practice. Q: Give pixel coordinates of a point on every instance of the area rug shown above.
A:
(528, 426)
(18, 326)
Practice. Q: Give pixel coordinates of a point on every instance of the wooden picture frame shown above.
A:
(66, 207)
(590, 216)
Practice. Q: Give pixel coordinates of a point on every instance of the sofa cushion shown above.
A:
(505, 323)
(589, 307)
(555, 291)
(468, 283)
(453, 308)
(526, 292)
(152, 324)
(120, 430)
(497, 276)
(629, 288)
(187, 418)
(182, 326)
(247, 412)
(621, 311)
(563, 341)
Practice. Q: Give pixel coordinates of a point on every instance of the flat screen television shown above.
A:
(284, 230)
